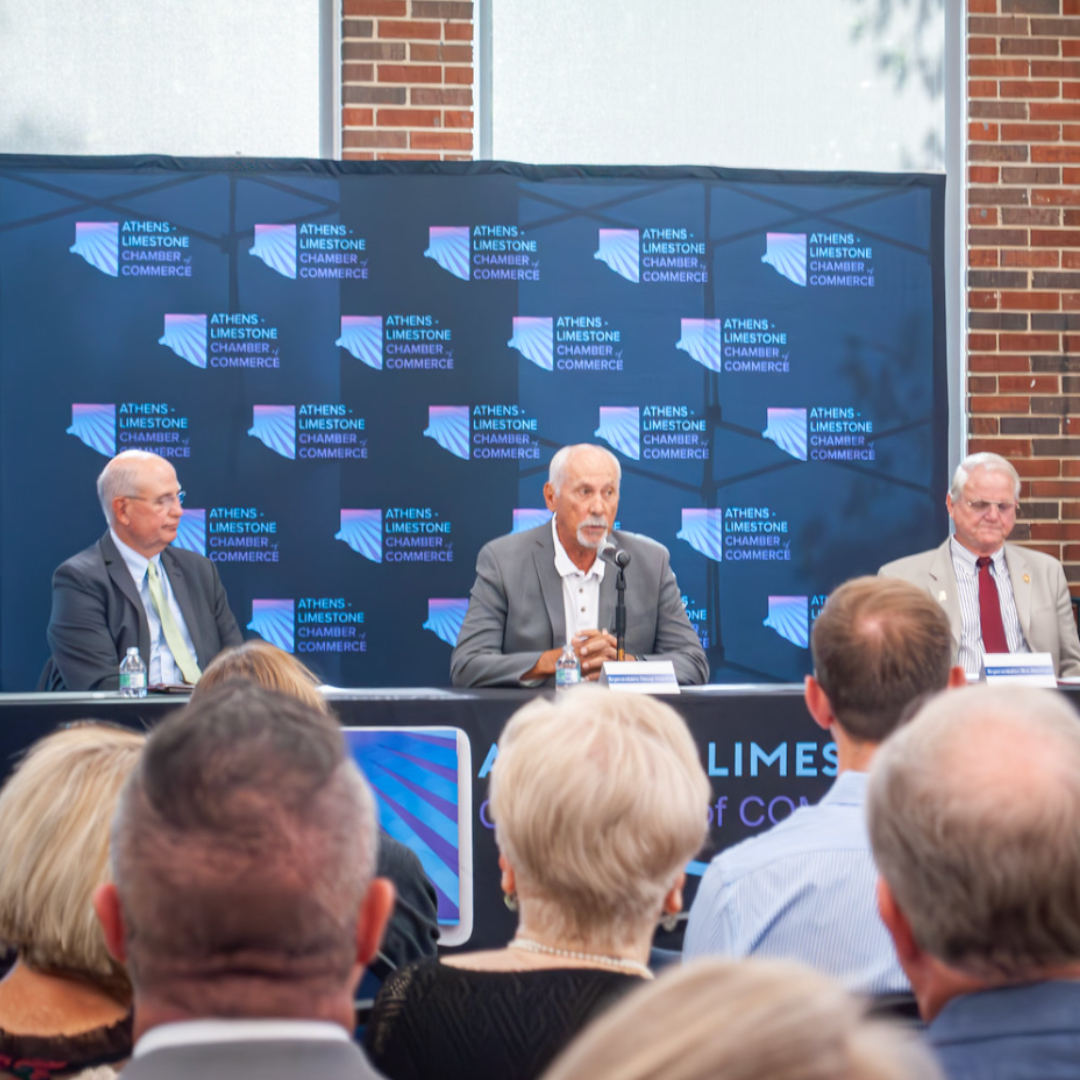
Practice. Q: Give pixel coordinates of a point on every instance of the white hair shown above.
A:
(559, 463)
(120, 477)
(989, 462)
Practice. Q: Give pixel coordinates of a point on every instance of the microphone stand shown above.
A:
(620, 614)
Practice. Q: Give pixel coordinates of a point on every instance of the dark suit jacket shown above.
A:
(279, 1059)
(516, 610)
(97, 615)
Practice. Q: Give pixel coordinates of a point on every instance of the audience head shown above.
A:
(878, 644)
(742, 1020)
(55, 812)
(142, 500)
(264, 665)
(599, 802)
(243, 853)
(974, 817)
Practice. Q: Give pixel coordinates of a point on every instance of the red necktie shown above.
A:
(993, 629)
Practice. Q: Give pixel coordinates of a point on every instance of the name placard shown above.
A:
(639, 676)
(1019, 669)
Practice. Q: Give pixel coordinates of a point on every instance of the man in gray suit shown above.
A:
(111, 596)
(1036, 610)
(243, 900)
(539, 589)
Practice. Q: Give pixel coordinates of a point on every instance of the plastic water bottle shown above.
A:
(132, 675)
(567, 670)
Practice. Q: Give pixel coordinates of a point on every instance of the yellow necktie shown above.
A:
(173, 638)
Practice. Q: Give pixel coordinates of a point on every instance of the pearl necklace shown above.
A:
(528, 945)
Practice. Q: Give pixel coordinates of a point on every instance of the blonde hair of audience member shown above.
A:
(742, 1020)
(267, 666)
(55, 814)
(599, 802)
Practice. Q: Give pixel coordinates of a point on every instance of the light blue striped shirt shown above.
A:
(805, 890)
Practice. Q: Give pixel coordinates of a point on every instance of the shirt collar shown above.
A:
(201, 1032)
(133, 560)
(849, 789)
(967, 558)
(565, 567)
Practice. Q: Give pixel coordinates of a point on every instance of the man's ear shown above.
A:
(817, 703)
(549, 496)
(375, 912)
(111, 916)
(907, 951)
(957, 678)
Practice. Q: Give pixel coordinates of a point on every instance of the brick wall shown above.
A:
(407, 80)
(1024, 257)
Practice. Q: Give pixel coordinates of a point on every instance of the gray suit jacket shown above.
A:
(97, 615)
(281, 1059)
(516, 610)
(1039, 588)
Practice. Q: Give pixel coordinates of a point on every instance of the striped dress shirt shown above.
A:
(805, 890)
(970, 654)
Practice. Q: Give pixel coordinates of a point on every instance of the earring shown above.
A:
(669, 921)
(510, 900)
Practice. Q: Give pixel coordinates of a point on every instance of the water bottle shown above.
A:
(132, 675)
(567, 670)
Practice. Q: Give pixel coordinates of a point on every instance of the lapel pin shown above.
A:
(1027, 579)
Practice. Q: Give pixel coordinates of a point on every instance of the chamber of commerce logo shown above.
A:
(186, 336)
(362, 336)
(786, 254)
(445, 617)
(275, 427)
(529, 518)
(276, 246)
(534, 338)
(621, 250)
(701, 339)
(787, 428)
(484, 431)
(241, 534)
(98, 242)
(703, 529)
(95, 426)
(191, 532)
(362, 531)
(275, 621)
(789, 616)
(620, 428)
(448, 245)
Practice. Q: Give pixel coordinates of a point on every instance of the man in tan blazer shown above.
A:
(1036, 610)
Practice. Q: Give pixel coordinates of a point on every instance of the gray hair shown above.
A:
(121, 477)
(974, 818)
(559, 463)
(743, 1020)
(599, 802)
(989, 462)
(242, 850)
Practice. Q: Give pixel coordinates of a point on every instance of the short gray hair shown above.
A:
(121, 476)
(599, 802)
(743, 1020)
(974, 817)
(557, 468)
(989, 462)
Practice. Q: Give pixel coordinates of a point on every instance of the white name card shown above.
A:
(1019, 669)
(639, 676)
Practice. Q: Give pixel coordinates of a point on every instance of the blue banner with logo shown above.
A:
(362, 370)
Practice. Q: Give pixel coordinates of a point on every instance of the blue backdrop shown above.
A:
(361, 371)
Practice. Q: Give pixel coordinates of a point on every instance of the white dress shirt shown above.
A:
(202, 1032)
(161, 669)
(581, 590)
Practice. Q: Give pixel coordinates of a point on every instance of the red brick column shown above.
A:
(1024, 257)
(407, 80)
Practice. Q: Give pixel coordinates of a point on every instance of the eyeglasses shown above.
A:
(981, 506)
(163, 502)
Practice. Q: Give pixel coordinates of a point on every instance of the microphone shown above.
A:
(612, 553)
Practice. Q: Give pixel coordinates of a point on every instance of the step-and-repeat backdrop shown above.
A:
(361, 372)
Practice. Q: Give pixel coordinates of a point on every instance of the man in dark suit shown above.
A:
(132, 589)
(243, 899)
(537, 590)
